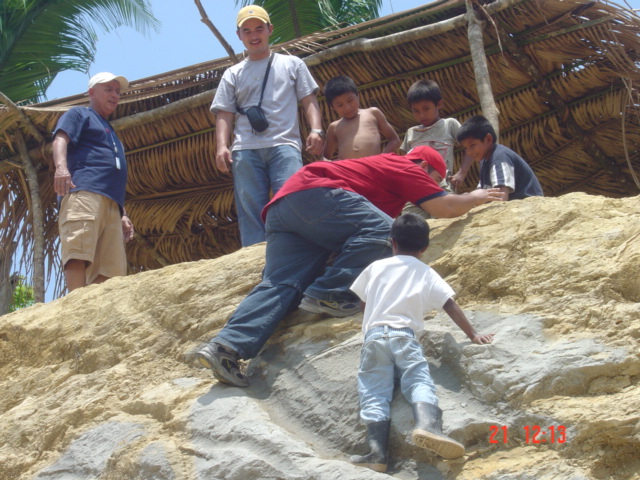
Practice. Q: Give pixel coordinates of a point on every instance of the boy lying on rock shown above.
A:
(396, 293)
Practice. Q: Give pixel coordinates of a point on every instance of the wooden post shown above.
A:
(6, 290)
(37, 218)
(480, 68)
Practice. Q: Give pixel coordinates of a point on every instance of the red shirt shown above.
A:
(387, 180)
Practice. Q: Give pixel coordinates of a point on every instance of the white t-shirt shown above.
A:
(399, 291)
(289, 81)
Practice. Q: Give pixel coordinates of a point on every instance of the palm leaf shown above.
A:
(40, 38)
(296, 18)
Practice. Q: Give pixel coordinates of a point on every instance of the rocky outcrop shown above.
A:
(100, 384)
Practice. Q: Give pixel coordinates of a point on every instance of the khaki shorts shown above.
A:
(91, 230)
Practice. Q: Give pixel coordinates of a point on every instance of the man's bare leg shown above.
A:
(75, 272)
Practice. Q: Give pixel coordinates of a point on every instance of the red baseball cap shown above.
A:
(429, 155)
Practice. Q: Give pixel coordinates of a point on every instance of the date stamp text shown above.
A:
(533, 434)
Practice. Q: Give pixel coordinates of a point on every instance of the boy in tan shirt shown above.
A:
(359, 131)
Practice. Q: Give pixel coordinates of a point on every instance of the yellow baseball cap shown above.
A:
(252, 11)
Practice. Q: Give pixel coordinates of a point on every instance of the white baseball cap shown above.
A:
(106, 77)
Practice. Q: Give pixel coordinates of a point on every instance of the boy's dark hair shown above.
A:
(410, 232)
(339, 86)
(476, 127)
(424, 90)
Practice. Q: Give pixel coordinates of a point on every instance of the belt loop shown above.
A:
(386, 330)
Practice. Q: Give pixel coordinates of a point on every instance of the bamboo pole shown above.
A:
(139, 119)
(371, 45)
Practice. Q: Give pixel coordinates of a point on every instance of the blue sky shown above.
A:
(183, 40)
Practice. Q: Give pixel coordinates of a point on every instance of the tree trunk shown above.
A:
(6, 290)
(480, 68)
(37, 218)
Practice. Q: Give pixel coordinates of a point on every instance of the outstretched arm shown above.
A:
(458, 316)
(450, 206)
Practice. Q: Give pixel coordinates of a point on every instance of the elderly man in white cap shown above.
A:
(90, 180)
(257, 99)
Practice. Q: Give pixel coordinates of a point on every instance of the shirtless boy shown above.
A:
(359, 131)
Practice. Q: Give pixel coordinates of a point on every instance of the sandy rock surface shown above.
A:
(101, 384)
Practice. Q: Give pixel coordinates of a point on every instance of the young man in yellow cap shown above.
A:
(262, 159)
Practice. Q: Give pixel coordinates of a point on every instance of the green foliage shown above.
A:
(295, 18)
(22, 295)
(41, 38)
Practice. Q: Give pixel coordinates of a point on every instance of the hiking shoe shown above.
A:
(335, 309)
(223, 362)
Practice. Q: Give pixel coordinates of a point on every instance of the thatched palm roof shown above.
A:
(563, 73)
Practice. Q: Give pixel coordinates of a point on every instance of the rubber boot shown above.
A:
(377, 458)
(428, 432)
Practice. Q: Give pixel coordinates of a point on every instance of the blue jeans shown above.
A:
(257, 173)
(389, 352)
(303, 230)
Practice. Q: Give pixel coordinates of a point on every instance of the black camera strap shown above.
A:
(264, 84)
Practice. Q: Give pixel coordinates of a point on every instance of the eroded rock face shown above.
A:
(100, 384)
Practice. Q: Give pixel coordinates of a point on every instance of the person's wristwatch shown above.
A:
(319, 131)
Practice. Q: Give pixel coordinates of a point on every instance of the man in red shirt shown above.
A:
(344, 208)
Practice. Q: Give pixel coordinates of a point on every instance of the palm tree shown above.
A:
(296, 18)
(41, 38)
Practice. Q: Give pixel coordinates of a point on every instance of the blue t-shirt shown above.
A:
(95, 155)
(505, 168)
